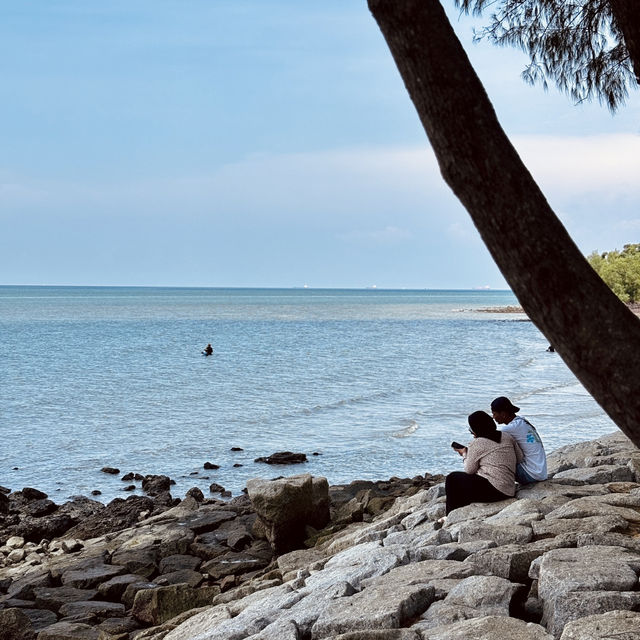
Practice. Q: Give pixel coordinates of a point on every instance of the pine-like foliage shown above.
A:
(575, 43)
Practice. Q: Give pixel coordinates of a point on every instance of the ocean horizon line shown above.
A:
(245, 288)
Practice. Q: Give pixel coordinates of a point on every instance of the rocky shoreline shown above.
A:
(296, 559)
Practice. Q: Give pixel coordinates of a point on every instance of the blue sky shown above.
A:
(264, 143)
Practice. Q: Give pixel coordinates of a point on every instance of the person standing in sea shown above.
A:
(534, 466)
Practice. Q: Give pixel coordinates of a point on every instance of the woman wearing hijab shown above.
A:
(489, 465)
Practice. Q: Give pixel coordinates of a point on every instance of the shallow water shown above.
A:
(376, 382)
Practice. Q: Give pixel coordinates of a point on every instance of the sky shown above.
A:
(263, 143)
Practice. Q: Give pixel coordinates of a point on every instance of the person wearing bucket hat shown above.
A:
(534, 466)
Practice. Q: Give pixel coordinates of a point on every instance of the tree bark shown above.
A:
(594, 333)
(627, 15)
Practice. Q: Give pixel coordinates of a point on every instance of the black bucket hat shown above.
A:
(504, 404)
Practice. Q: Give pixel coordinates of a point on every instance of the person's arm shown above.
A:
(519, 454)
(472, 459)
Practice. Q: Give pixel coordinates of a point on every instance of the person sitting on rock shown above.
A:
(534, 466)
(489, 466)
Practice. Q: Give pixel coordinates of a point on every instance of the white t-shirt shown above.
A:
(535, 459)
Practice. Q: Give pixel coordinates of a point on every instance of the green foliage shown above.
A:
(620, 270)
(575, 43)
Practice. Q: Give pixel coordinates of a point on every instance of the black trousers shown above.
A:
(464, 488)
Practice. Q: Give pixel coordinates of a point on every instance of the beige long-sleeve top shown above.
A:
(495, 461)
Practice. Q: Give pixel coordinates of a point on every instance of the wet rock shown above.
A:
(210, 465)
(119, 514)
(236, 563)
(214, 487)
(196, 494)
(69, 631)
(39, 508)
(114, 589)
(96, 609)
(283, 457)
(209, 545)
(23, 588)
(40, 618)
(132, 589)
(29, 493)
(179, 562)
(90, 577)
(143, 562)
(182, 576)
(203, 521)
(117, 627)
(34, 529)
(110, 470)
(52, 598)
(154, 485)
(237, 449)
(15, 625)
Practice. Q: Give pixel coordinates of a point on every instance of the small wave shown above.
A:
(344, 402)
(547, 389)
(407, 431)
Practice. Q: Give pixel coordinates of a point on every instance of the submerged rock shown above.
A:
(283, 457)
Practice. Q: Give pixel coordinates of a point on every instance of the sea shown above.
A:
(369, 383)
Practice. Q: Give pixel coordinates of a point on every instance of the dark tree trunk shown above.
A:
(594, 333)
(627, 14)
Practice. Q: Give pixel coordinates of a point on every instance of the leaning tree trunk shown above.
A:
(594, 333)
(627, 14)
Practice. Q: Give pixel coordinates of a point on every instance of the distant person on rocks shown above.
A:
(208, 350)
(534, 466)
(489, 466)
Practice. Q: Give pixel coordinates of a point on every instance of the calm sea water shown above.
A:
(376, 382)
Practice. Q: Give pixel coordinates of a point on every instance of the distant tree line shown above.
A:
(620, 270)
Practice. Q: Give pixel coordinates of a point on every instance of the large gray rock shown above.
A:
(477, 511)
(380, 634)
(487, 628)
(357, 563)
(599, 525)
(574, 583)
(278, 630)
(621, 625)
(500, 534)
(511, 561)
(474, 597)
(594, 475)
(287, 506)
(379, 605)
(451, 550)
(622, 505)
(217, 624)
